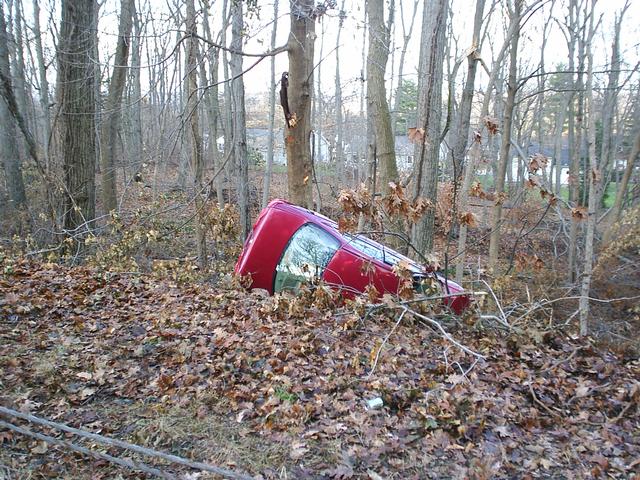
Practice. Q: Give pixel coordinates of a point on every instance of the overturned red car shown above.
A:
(290, 245)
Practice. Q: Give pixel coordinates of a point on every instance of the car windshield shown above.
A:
(305, 258)
(380, 252)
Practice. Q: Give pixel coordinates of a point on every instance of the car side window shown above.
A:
(306, 256)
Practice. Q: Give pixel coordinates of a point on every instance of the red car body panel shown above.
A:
(349, 268)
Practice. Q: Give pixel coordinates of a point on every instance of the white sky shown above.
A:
(259, 30)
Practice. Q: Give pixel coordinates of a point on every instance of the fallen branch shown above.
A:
(116, 443)
(445, 334)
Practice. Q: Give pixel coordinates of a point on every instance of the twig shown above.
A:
(375, 362)
(557, 364)
(445, 334)
(535, 399)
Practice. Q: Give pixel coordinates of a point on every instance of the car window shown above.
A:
(382, 254)
(305, 258)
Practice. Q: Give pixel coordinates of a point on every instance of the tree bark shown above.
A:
(272, 111)
(213, 104)
(298, 128)
(239, 120)
(431, 67)
(595, 180)
(494, 241)
(44, 84)
(340, 161)
(111, 117)
(135, 92)
(195, 140)
(464, 112)
(76, 103)
(8, 142)
(377, 107)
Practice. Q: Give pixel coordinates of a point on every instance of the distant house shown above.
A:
(356, 154)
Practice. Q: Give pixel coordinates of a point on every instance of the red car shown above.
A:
(290, 245)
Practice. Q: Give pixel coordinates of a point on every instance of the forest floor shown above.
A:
(278, 387)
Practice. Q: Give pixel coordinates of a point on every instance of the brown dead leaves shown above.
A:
(290, 370)
(394, 204)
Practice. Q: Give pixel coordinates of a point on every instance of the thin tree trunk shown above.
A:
(214, 106)
(272, 111)
(8, 142)
(574, 171)
(44, 84)
(494, 240)
(609, 108)
(239, 120)
(197, 164)
(135, 97)
(339, 118)
(595, 180)
(377, 107)
(464, 112)
(112, 114)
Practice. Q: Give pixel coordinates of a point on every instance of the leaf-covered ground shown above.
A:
(278, 387)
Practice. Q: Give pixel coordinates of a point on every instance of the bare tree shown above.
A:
(44, 84)
(8, 142)
(195, 139)
(272, 111)
(76, 103)
(112, 113)
(297, 88)
(339, 117)
(239, 127)
(512, 87)
(431, 68)
(595, 178)
(377, 107)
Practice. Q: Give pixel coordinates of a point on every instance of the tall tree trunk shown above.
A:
(272, 111)
(44, 84)
(595, 180)
(609, 108)
(576, 157)
(20, 88)
(197, 164)
(340, 161)
(8, 141)
(76, 103)
(298, 127)
(214, 106)
(494, 241)
(474, 155)
(239, 120)
(464, 112)
(378, 109)
(112, 113)
(135, 91)
(431, 68)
